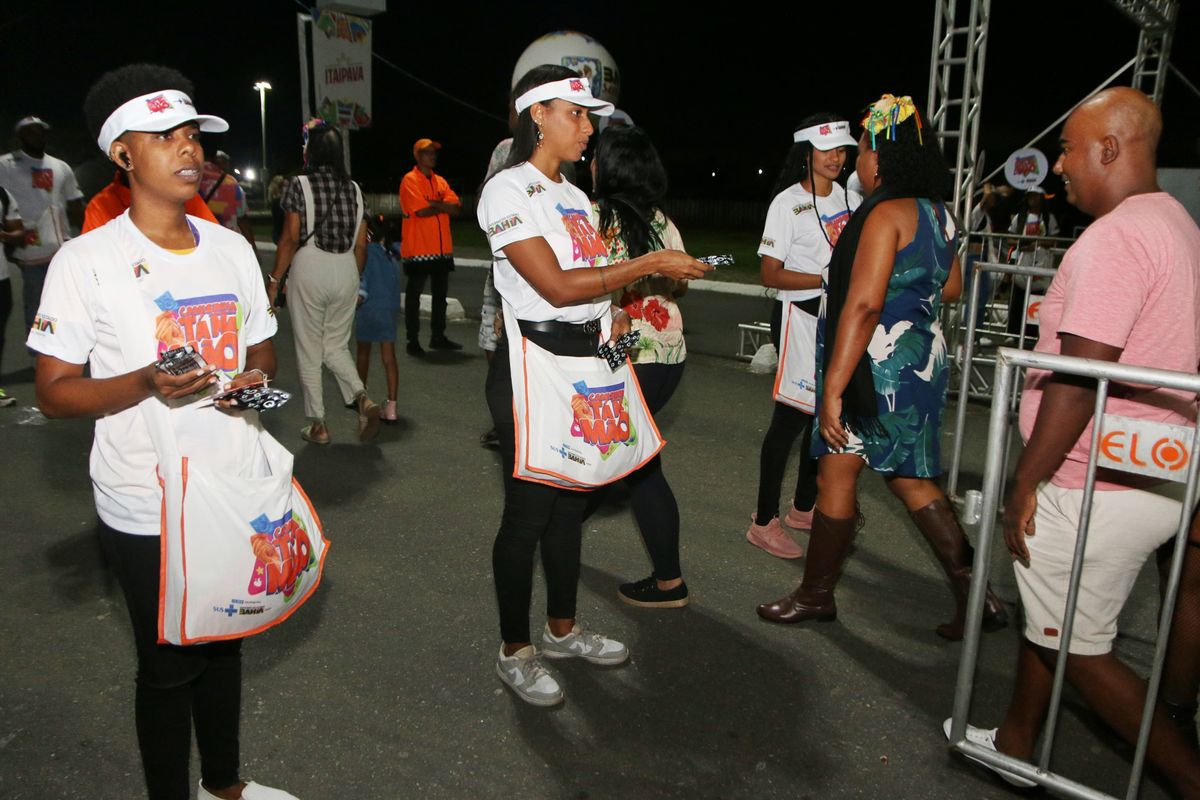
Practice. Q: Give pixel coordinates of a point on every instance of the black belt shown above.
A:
(809, 306)
(562, 330)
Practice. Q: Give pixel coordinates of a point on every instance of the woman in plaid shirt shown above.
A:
(325, 240)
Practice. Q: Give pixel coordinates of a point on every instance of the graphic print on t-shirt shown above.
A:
(835, 224)
(586, 244)
(42, 178)
(209, 323)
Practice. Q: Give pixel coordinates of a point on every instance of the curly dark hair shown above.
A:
(912, 162)
(525, 134)
(117, 86)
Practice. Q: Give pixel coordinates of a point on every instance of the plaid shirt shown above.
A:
(336, 204)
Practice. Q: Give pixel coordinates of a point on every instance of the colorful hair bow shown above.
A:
(886, 113)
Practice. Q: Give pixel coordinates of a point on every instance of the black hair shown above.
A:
(525, 134)
(798, 164)
(630, 183)
(323, 149)
(116, 87)
(911, 162)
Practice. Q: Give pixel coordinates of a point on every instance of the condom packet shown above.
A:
(615, 352)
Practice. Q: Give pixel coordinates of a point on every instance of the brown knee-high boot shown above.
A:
(939, 525)
(828, 546)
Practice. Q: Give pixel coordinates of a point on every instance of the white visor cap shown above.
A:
(155, 112)
(826, 135)
(573, 90)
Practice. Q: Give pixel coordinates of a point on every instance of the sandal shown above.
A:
(308, 435)
(368, 418)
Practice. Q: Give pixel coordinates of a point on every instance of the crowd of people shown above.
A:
(861, 277)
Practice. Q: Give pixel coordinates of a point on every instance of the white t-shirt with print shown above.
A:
(793, 232)
(521, 203)
(43, 187)
(212, 298)
(14, 213)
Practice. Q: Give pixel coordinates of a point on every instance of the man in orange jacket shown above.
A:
(428, 203)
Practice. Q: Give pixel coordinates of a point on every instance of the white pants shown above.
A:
(322, 295)
(1126, 527)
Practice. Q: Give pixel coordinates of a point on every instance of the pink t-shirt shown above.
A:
(1132, 280)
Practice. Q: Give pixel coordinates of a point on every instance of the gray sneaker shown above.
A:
(524, 673)
(589, 646)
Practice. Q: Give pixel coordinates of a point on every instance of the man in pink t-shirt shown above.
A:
(1127, 291)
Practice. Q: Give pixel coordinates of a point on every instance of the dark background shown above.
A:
(717, 92)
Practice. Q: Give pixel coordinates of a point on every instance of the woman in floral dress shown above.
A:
(630, 182)
(881, 364)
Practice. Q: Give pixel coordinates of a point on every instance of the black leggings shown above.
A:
(534, 514)
(650, 496)
(177, 687)
(787, 424)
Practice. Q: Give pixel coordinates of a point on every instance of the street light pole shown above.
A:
(262, 87)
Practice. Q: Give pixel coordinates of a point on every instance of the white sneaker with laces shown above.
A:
(524, 673)
(986, 738)
(588, 645)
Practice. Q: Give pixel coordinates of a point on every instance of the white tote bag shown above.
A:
(579, 424)
(796, 375)
(239, 553)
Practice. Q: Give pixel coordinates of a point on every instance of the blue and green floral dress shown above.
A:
(908, 356)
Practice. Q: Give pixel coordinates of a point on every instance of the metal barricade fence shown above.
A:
(971, 363)
(1007, 363)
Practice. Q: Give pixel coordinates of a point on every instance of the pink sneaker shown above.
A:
(772, 538)
(389, 415)
(797, 519)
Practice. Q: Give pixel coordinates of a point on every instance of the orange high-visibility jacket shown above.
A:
(424, 237)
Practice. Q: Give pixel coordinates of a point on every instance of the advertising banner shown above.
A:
(341, 48)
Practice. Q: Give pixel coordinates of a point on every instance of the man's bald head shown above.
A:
(1126, 113)
(1108, 149)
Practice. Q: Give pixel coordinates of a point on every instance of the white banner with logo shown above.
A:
(341, 48)
(1145, 448)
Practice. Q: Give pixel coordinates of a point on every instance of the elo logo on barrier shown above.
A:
(1145, 448)
(1033, 309)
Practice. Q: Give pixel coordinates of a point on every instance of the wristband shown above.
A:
(273, 279)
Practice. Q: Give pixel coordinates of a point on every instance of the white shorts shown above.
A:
(1126, 528)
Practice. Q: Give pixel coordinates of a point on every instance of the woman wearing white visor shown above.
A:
(810, 209)
(551, 270)
(197, 283)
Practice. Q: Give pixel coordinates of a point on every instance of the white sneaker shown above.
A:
(253, 791)
(986, 738)
(589, 646)
(524, 673)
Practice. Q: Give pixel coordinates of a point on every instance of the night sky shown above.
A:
(716, 93)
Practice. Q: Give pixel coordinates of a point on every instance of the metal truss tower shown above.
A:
(956, 92)
(1156, 21)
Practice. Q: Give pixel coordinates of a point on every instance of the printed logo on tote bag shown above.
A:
(283, 553)
(601, 417)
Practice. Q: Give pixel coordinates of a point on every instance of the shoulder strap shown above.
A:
(309, 209)
(213, 189)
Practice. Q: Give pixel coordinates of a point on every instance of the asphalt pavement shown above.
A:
(382, 686)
